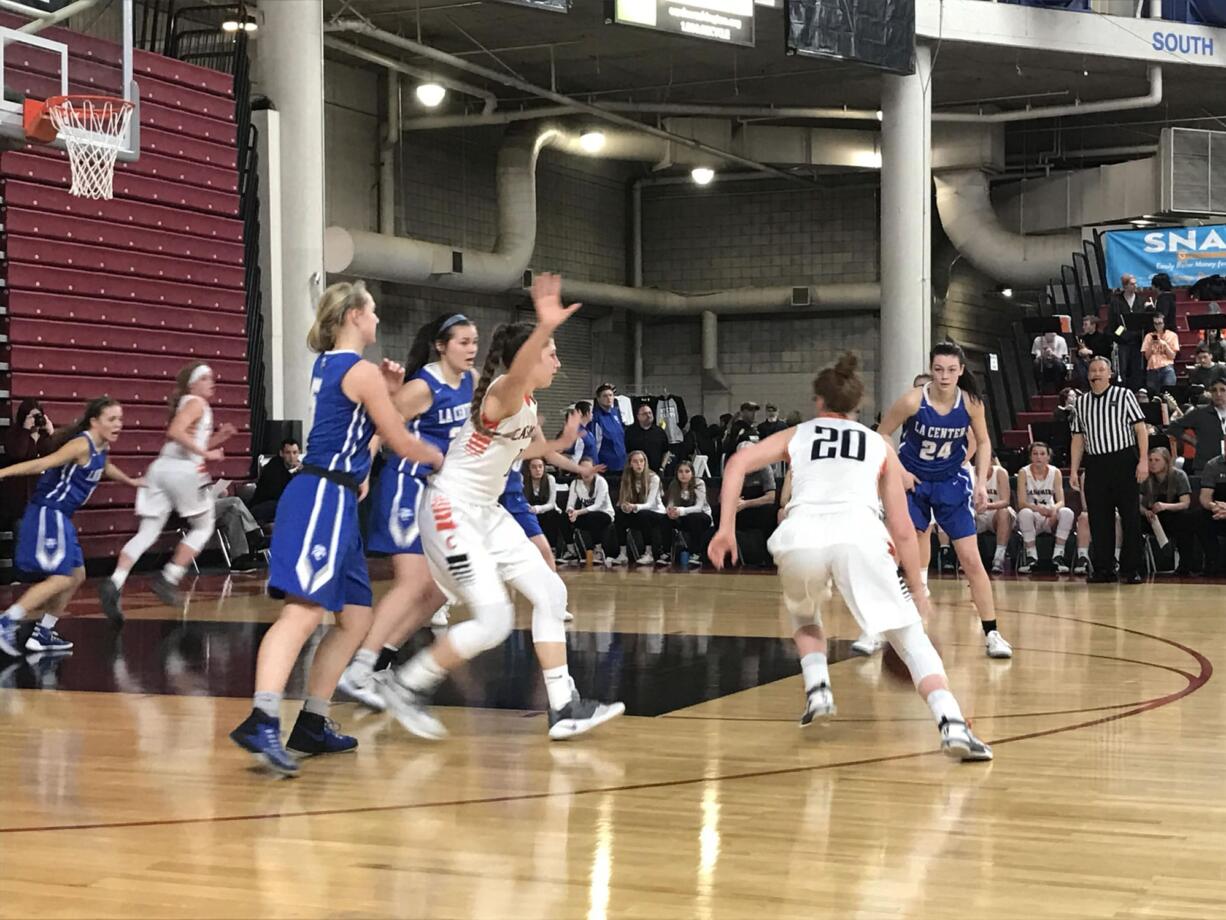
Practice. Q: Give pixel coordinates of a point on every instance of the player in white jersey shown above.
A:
(997, 516)
(1041, 509)
(473, 544)
(843, 474)
(175, 481)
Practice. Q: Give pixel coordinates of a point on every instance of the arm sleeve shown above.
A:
(653, 495)
(602, 503)
(573, 495)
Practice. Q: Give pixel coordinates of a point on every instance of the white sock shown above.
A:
(559, 686)
(924, 577)
(815, 669)
(1117, 554)
(1032, 552)
(1000, 555)
(119, 577)
(15, 612)
(944, 706)
(1083, 552)
(1059, 549)
(421, 673)
(363, 665)
(48, 621)
(174, 573)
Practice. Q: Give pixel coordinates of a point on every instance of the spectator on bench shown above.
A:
(1213, 500)
(755, 511)
(997, 516)
(242, 533)
(640, 507)
(1091, 344)
(589, 509)
(1205, 370)
(1166, 497)
(688, 511)
(1050, 353)
(1041, 509)
(541, 491)
(274, 477)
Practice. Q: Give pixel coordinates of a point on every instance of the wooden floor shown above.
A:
(1105, 799)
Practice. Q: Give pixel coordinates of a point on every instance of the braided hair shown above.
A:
(508, 339)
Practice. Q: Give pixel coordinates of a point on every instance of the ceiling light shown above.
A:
(431, 94)
(240, 21)
(702, 175)
(592, 141)
(880, 115)
(1006, 292)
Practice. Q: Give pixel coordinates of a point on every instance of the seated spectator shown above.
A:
(640, 507)
(242, 533)
(688, 511)
(1206, 424)
(794, 418)
(585, 444)
(274, 477)
(756, 508)
(741, 428)
(647, 438)
(772, 423)
(1213, 500)
(1160, 349)
(1041, 509)
(541, 491)
(1090, 345)
(1166, 497)
(589, 509)
(1050, 353)
(28, 438)
(1061, 421)
(997, 516)
(1205, 370)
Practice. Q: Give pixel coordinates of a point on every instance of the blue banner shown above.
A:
(1185, 253)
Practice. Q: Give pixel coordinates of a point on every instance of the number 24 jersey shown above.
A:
(836, 466)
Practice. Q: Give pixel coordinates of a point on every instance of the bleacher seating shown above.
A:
(116, 296)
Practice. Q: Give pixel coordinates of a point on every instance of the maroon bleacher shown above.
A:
(1020, 437)
(115, 296)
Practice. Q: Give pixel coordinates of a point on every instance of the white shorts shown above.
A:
(853, 549)
(985, 521)
(174, 485)
(473, 550)
(1047, 525)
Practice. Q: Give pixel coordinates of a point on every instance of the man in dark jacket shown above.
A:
(274, 477)
(648, 437)
(1208, 427)
(1125, 302)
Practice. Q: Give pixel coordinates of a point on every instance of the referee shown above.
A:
(1109, 430)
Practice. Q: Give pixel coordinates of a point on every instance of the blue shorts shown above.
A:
(317, 553)
(525, 517)
(47, 543)
(950, 501)
(393, 521)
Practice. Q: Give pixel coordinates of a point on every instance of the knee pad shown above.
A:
(201, 530)
(489, 627)
(915, 649)
(145, 536)
(547, 593)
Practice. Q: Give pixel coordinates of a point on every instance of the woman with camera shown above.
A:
(28, 439)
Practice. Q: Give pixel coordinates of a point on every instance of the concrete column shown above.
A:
(291, 62)
(906, 228)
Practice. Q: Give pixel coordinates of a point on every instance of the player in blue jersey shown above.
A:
(936, 420)
(435, 401)
(318, 564)
(47, 544)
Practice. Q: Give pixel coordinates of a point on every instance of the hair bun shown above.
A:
(847, 365)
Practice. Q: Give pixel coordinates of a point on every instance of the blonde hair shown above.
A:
(634, 485)
(334, 305)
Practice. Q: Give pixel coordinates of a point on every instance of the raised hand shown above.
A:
(547, 301)
(393, 375)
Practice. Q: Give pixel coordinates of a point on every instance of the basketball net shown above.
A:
(93, 128)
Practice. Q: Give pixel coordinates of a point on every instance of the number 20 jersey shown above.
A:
(836, 464)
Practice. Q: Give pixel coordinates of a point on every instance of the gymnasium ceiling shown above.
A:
(579, 55)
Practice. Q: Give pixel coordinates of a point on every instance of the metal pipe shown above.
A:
(37, 25)
(387, 157)
(1152, 98)
(421, 73)
(486, 73)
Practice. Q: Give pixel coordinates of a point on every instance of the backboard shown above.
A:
(33, 64)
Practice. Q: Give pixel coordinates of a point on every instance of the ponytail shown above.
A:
(335, 303)
(967, 382)
(425, 344)
(508, 339)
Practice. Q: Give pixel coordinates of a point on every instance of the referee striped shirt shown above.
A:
(1105, 420)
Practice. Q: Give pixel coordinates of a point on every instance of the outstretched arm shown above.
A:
(540, 447)
(365, 383)
(111, 471)
(75, 451)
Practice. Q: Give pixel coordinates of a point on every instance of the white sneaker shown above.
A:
(1028, 563)
(580, 716)
(663, 559)
(958, 742)
(868, 644)
(567, 616)
(1061, 567)
(360, 686)
(442, 617)
(998, 567)
(409, 708)
(645, 559)
(695, 561)
(997, 647)
(819, 704)
(619, 559)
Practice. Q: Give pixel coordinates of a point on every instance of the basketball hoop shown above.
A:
(93, 129)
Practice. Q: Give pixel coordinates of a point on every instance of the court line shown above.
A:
(1194, 683)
